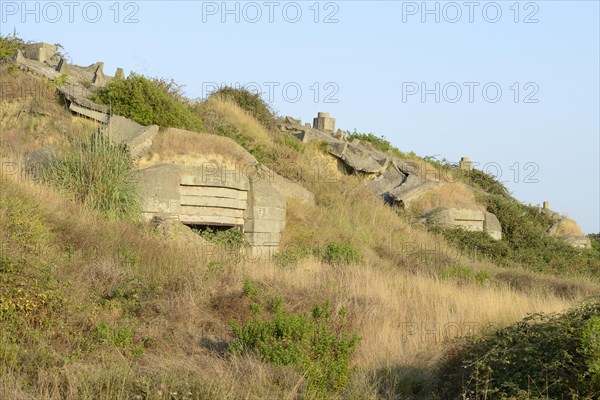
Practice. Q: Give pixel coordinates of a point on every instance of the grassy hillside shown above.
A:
(359, 303)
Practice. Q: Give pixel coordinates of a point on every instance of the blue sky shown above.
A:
(367, 63)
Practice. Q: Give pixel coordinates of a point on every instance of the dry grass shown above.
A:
(567, 227)
(179, 146)
(32, 117)
(230, 113)
(449, 195)
(187, 294)
(178, 297)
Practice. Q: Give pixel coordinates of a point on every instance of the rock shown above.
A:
(172, 229)
(39, 161)
(359, 158)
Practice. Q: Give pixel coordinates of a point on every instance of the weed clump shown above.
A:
(318, 345)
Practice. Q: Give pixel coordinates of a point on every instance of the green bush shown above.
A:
(333, 253)
(99, 174)
(319, 345)
(524, 239)
(464, 274)
(379, 142)
(542, 356)
(485, 182)
(340, 254)
(9, 46)
(293, 255)
(149, 101)
(251, 102)
(120, 337)
(230, 238)
(590, 346)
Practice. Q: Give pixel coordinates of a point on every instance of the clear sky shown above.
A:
(513, 85)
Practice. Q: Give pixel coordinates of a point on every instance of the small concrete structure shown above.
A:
(209, 196)
(42, 52)
(470, 220)
(359, 158)
(546, 205)
(465, 164)
(324, 123)
(120, 74)
(579, 242)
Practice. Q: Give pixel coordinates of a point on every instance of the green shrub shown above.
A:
(293, 255)
(524, 240)
(149, 101)
(590, 346)
(379, 142)
(291, 142)
(251, 102)
(9, 45)
(464, 274)
(340, 253)
(333, 253)
(120, 337)
(99, 174)
(61, 80)
(318, 345)
(230, 238)
(485, 182)
(542, 356)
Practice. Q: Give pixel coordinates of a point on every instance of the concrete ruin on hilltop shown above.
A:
(199, 191)
(247, 196)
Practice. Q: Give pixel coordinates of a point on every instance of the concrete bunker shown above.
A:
(214, 199)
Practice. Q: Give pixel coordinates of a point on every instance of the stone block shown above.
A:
(86, 112)
(42, 52)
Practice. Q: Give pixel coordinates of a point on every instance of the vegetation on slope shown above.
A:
(149, 101)
(122, 313)
(250, 102)
(99, 174)
(319, 346)
(543, 356)
(524, 239)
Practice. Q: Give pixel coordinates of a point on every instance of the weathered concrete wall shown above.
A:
(265, 216)
(42, 52)
(471, 220)
(579, 242)
(137, 137)
(195, 195)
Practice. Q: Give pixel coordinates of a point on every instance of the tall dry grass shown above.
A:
(449, 195)
(219, 110)
(192, 148)
(186, 294)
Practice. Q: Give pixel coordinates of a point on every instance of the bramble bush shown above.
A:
(319, 345)
(542, 356)
(149, 101)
